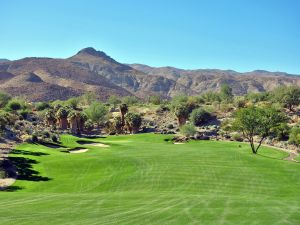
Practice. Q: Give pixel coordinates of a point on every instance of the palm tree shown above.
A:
(50, 118)
(123, 110)
(62, 118)
(76, 121)
(182, 113)
(133, 122)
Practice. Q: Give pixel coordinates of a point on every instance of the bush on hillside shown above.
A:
(188, 130)
(295, 136)
(199, 116)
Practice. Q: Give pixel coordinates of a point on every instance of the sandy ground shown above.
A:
(79, 151)
(98, 145)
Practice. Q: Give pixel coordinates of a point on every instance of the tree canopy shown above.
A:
(256, 121)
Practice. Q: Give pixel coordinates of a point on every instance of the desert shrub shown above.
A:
(188, 130)
(73, 102)
(258, 97)
(210, 96)
(24, 113)
(170, 126)
(282, 131)
(14, 105)
(40, 106)
(162, 108)
(88, 125)
(130, 100)
(54, 138)
(46, 134)
(87, 98)
(118, 124)
(114, 100)
(4, 99)
(224, 107)
(237, 137)
(155, 100)
(199, 116)
(240, 102)
(97, 112)
(295, 136)
(34, 138)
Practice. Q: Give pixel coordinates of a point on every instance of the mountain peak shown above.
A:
(93, 52)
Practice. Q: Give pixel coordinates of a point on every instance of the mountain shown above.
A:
(40, 79)
(203, 80)
(91, 70)
(3, 60)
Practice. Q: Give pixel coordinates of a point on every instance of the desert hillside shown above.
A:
(40, 79)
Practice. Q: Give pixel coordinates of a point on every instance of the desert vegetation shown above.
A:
(257, 118)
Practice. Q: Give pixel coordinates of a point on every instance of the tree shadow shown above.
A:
(52, 145)
(24, 152)
(24, 170)
(11, 188)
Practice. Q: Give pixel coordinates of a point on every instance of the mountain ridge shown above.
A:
(92, 70)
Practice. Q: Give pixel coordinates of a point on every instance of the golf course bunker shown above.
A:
(79, 150)
(94, 144)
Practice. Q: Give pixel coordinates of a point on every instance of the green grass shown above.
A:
(142, 179)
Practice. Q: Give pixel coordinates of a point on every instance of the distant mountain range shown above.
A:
(3, 60)
(40, 79)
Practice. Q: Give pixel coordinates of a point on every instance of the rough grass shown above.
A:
(143, 179)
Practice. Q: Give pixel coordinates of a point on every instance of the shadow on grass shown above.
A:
(24, 169)
(86, 142)
(24, 152)
(11, 189)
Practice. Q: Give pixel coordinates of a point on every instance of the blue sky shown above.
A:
(242, 35)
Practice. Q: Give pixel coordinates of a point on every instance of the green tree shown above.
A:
(133, 122)
(182, 112)
(254, 121)
(288, 96)
(199, 116)
(226, 93)
(114, 100)
(295, 136)
(97, 112)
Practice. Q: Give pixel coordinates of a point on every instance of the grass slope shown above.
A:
(142, 179)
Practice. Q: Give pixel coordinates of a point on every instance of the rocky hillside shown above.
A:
(90, 70)
(203, 80)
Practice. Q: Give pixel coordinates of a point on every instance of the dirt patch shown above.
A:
(80, 150)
